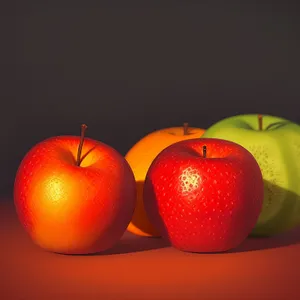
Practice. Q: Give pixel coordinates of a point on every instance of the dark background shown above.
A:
(126, 68)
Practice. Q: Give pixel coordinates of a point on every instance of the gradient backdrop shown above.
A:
(126, 68)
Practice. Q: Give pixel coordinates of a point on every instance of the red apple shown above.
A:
(204, 195)
(72, 203)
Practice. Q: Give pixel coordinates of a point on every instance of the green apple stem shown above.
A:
(83, 129)
(204, 151)
(260, 122)
(185, 128)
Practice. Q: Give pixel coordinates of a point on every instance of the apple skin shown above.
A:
(73, 209)
(277, 151)
(204, 204)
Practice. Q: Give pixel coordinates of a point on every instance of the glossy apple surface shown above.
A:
(276, 148)
(204, 201)
(73, 209)
(140, 157)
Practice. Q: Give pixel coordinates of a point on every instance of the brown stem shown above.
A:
(260, 122)
(185, 128)
(204, 151)
(83, 129)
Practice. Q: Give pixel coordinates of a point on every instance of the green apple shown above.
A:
(275, 144)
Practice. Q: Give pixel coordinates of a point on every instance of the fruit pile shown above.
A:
(202, 190)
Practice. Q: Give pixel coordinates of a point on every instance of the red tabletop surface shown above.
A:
(146, 268)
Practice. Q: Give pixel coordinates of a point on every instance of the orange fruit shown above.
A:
(140, 157)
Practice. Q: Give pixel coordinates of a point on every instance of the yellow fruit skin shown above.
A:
(140, 157)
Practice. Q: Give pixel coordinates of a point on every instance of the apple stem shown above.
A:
(185, 128)
(260, 122)
(204, 151)
(83, 129)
